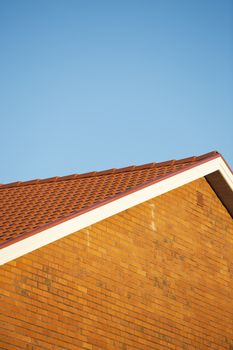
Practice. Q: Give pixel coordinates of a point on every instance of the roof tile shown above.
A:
(38, 204)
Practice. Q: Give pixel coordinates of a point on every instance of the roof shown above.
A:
(31, 207)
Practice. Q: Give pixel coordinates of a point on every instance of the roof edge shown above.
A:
(114, 206)
(203, 157)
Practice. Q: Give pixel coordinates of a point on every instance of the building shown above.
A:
(132, 258)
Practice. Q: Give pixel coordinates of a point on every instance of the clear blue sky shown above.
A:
(89, 85)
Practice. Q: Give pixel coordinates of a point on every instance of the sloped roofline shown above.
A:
(214, 169)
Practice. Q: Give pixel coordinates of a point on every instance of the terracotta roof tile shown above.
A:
(37, 204)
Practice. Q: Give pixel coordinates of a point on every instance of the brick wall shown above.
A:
(157, 276)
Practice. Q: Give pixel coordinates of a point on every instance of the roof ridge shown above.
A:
(110, 171)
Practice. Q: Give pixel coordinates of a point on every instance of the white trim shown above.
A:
(226, 173)
(52, 234)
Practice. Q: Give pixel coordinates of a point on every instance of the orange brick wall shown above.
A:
(157, 276)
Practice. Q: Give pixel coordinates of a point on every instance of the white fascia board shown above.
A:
(226, 172)
(91, 217)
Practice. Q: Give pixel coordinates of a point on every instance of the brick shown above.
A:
(157, 276)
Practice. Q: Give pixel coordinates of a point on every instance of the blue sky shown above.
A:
(92, 84)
